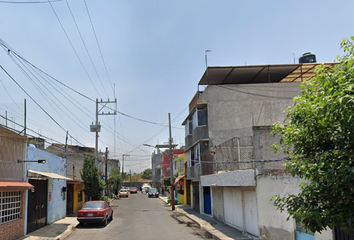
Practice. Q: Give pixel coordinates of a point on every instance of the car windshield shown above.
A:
(153, 190)
(133, 188)
(123, 190)
(93, 205)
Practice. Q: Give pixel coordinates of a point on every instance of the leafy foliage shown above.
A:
(93, 184)
(147, 173)
(319, 138)
(115, 177)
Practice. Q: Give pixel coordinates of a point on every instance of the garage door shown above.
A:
(233, 207)
(251, 213)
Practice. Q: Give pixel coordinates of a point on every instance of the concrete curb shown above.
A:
(67, 232)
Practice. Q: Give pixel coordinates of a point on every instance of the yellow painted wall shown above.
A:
(182, 198)
(78, 205)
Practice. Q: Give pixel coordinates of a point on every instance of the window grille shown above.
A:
(10, 206)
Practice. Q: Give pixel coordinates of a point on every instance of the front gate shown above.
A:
(341, 235)
(70, 200)
(37, 205)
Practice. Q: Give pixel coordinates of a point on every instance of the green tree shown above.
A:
(115, 177)
(147, 174)
(318, 136)
(93, 184)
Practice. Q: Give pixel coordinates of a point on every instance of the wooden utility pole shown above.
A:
(105, 172)
(171, 165)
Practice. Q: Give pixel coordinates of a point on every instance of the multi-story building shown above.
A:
(232, 171)
(13, 187)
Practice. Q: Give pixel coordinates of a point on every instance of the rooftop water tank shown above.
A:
(307, 58)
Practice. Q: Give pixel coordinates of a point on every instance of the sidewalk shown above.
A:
(206, 226)
(55, 231)
(210, 227)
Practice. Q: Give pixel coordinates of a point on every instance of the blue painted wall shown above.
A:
(57, 202)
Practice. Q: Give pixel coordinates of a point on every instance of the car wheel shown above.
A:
(105, 222)
(111, 218)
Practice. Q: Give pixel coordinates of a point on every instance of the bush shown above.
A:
(106, 198)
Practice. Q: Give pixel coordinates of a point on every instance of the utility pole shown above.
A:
(171, 165)
(105, 172)
(130, 172)
(65, 155)
(73, 172)
(97, 127)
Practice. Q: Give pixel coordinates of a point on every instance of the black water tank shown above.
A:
(307, 58)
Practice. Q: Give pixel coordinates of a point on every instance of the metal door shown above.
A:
(207, 200)
(233, 211)
(70, 200)
(341, 235)
(188, 189)
(37, 205)
(251, 212)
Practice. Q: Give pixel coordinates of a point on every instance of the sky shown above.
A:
(147, 54)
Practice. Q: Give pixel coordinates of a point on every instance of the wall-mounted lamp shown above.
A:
(37, 161)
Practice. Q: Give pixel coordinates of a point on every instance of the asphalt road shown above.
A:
(138, 217)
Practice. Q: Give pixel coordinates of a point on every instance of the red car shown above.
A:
(95, 212)
(133, 190)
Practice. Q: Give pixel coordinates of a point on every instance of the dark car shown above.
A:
(153, 193)
(95, 212)
(133, 190)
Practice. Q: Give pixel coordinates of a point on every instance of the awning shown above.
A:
(14, 185)
(178, 178)
(35, 174)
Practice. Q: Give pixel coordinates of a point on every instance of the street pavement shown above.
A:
(211, 228)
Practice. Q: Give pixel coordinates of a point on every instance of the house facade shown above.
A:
(180, 181)
(232, 171)
(47, 202)
(13, 187)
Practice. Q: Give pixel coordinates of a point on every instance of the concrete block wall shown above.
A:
(241, 106)
(272, 223)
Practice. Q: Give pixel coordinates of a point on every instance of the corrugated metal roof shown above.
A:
(46, 174)
(259, 74)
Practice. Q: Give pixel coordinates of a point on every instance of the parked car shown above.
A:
(133, 190)
(95, 212)
(153, 193)
(123, 193)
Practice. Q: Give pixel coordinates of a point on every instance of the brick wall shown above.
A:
(15, 229)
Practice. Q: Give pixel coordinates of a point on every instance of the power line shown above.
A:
(98, 45)
(83, 42)
(32, 2)
(72, 46)
(35, 101)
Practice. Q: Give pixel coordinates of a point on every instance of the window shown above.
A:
(181, 165)
(194, 120)
(189, 127)
(79, 195)
(10, 206)
(202, 117)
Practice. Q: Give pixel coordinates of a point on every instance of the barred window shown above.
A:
(10, 206)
